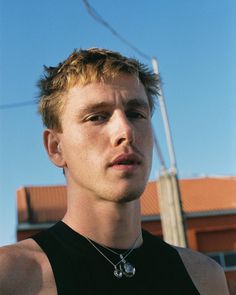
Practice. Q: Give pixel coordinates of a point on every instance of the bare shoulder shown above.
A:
(207, 275)
(24, 268)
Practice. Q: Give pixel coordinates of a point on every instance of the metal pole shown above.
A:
(159, 153)
(165, 120)
(171, 211)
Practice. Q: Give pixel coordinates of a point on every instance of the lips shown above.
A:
(126, 160)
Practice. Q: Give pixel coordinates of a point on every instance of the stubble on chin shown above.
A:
(125, 195)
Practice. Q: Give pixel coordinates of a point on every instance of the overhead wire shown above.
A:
(101, 20)
(17, 104)
(94, 14)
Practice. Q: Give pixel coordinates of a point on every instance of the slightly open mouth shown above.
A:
(127, 162)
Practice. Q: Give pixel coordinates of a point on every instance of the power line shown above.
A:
(101, 20)
(17, 104)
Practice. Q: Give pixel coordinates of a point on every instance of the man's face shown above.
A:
(107, 139)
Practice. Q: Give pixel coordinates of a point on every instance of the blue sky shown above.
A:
(195, 44)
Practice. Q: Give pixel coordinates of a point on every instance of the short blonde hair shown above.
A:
(83, 67)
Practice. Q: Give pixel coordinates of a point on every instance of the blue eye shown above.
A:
(135, 115)
(97, 118)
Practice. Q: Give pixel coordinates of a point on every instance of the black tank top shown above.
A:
(79, 268)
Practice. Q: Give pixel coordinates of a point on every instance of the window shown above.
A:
(230, 259)
(216, 257)
(226, 259)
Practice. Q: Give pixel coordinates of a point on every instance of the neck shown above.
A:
(112, 224)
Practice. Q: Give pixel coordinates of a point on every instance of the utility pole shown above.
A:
(171, 211)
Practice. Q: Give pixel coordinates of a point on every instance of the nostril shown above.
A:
(125, 140)
(125, 137)
(120, 140)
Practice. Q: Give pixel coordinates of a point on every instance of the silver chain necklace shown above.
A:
(122, 267)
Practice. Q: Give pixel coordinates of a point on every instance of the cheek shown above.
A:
(84, 146)
(145, 137)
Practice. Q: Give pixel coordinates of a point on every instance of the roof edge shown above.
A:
(193, 214)
(34, 226)
(145, 218)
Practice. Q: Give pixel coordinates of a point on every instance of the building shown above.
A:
(209, 205)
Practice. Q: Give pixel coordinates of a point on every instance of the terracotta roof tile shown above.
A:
(44, 203)
(149, 200)
(207, 194)
(22, 208)
(198, 194)
(48, 203)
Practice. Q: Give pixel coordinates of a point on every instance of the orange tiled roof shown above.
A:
(207, 194)
(48, 203)
(198, 195)
(41, 203)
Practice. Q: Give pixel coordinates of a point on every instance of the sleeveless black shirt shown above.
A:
(79, 268)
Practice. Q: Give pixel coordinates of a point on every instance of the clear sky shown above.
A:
(195, 43)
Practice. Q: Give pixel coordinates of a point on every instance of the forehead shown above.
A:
(121, 90)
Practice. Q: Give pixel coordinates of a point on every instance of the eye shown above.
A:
(98, 118)
(135, 115)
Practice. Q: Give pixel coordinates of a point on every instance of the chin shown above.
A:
(127, 194)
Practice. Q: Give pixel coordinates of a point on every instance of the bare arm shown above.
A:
(207, 275)
(25, 271)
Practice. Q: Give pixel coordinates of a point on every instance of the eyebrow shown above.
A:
(135, 102)
(138, 102)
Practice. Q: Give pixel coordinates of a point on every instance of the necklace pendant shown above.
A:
(118, 273)
(122, 258)
(128, 269)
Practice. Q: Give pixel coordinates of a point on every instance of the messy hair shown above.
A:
(81, 68)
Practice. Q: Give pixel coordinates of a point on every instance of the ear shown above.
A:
(53, 148)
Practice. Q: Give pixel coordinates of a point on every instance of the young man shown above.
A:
(97, 108)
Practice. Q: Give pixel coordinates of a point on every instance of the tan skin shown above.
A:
(101, 121)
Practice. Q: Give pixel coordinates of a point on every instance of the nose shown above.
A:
(122, 130)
